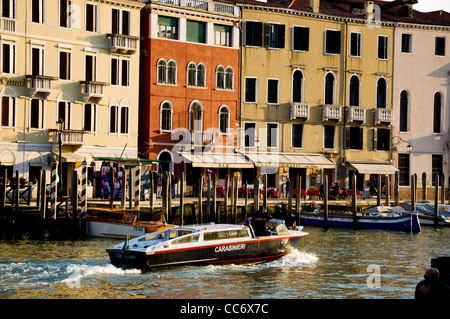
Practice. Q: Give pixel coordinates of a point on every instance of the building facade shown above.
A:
(74, 61)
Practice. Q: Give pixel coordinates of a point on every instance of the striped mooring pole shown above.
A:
(137, 186)
(54, 188)
(83, 203)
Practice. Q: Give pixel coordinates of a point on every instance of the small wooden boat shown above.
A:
(385, 220)
(118, 223)
(206, 244)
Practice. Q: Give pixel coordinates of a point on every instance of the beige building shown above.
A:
(70, 60)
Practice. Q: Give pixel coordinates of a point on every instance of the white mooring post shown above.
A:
(54, 188)
(83, 203)
(137, 186)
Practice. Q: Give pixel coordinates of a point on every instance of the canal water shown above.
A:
(327, 264)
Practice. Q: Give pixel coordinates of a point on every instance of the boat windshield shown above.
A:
(225, 234)
(193, 238)
(153, 236)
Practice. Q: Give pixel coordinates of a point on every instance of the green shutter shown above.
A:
(222, 28)
(172, 22)
(195, 31)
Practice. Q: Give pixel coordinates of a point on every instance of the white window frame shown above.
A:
(325, 42)
(256, 88)
(302, 85)
(256, 135)
(191, 129)
(94, 67)
(95, 22)
(41, 119)
(227, 129)
(292, 136)
(387, 47)
(359, 89)
(277, 135)
(334, 87)
(410, 44)
(41, 49)
(12, 56)
(161, 130)
(69, 52)
(94, 110)
(359, 44)
(120, 70)
(120, 26)
(292, 37)
(41, 9)
(12, 115)
(278, 92)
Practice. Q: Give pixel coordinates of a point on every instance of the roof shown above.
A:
(390, 11)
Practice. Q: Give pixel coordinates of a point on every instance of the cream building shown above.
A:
(71, 60)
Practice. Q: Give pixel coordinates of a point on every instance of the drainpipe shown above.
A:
(343, 137)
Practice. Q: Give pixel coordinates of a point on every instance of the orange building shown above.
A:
(189, 87)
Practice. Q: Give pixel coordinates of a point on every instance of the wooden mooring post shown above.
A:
(325, 201)
(225, 199)
(424, 186)
(214, 194)
(182, 199)
(413, 193)
(436, 200)
(354, 206)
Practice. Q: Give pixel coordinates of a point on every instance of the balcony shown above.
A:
(331, 112)
(124, 44)
(92, 89)
(7, 24)
(356, 114)
(299, 110)
(383, 116)
(69, 137)
(211, 6)
(202, 138)
(40, 84)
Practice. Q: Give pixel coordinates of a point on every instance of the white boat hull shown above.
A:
(113, 230)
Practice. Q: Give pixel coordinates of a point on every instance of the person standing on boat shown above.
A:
(432, 288)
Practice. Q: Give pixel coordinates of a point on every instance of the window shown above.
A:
(382, 139)
(162, 71)
(37, 61)
(383, 47)
(406, 43)
(90, 67)
(65, 7)
(354, 138)
(329, 88)
(90, 117)
(8, 111)
(354, 90)
(403, 127)
(201, 75)
(403, 168)
(195, 117)
(355, 44)
(64, 65)
(64, 111)
(166, 117)
(91, 17)
(196, 75)
(297, 86)
(195, 31)
(120, 22)
(250, 134)
(37, 113)
(167, 27)
(300, 41)
(37, 11)
(120, 69)
(222, 35)
(224, 119)
(437, 113)
(329, 131)
(436, 168)
(113, 116)
(119, 118)
(9, 9)
(272, 91)
(332, 42)
(297, 135)
(440, 46)
(272, 135)
(8, 58)
(274, 34)
(250, 90)
(229, 78)
(124, 113)
(167, 72)
(224, 78)
(253, 33)
(381, 93)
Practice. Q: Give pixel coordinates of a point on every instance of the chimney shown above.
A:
(314, 5)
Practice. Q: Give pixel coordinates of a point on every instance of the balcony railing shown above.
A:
(40, 84)
(331, 112)
(69, 137)
(356, 113)
(383, 116)
(123, 43)
(299, 110)
(222, 8)
(92, 89)
(7, 24)
(202, 138)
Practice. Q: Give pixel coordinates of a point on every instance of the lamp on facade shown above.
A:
(59, 128)
(399, 140)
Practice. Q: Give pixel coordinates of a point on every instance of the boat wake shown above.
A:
(294, 258)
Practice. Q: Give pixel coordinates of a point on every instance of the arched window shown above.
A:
(220, 75)
(437, 113)
(64, 110)
(201, 75)
(172, 72)
(229, 74)
(161, 69)
(224, 119)
(195, 116)
(297, 85)
(8, 108)
(191, 70)
(381, 93)
(403, 111)
(329, 88)
(166, 116)
(124, 117)
(354, 90)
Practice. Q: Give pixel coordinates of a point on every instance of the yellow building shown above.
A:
(316, 91)
(70, 60)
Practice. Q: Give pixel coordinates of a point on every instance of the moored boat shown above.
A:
(118, 223)
(426, 213)
(206, 244)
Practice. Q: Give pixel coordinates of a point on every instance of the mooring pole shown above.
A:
(355, 219)
(413, 193)
(182, 198)
(436, 199)
(208, 196)
(53, 188)
(325, 201)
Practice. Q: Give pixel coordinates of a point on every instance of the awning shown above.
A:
(217, 160)
(71, 157)
(290, 160)
(375, 168)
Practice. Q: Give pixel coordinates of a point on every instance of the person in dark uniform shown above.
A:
(432, 288)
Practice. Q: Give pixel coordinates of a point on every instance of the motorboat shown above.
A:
(118, 223)
(206, 244)
(426, 213)
(375, 218)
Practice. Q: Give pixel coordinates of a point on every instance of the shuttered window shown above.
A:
(195, 31)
